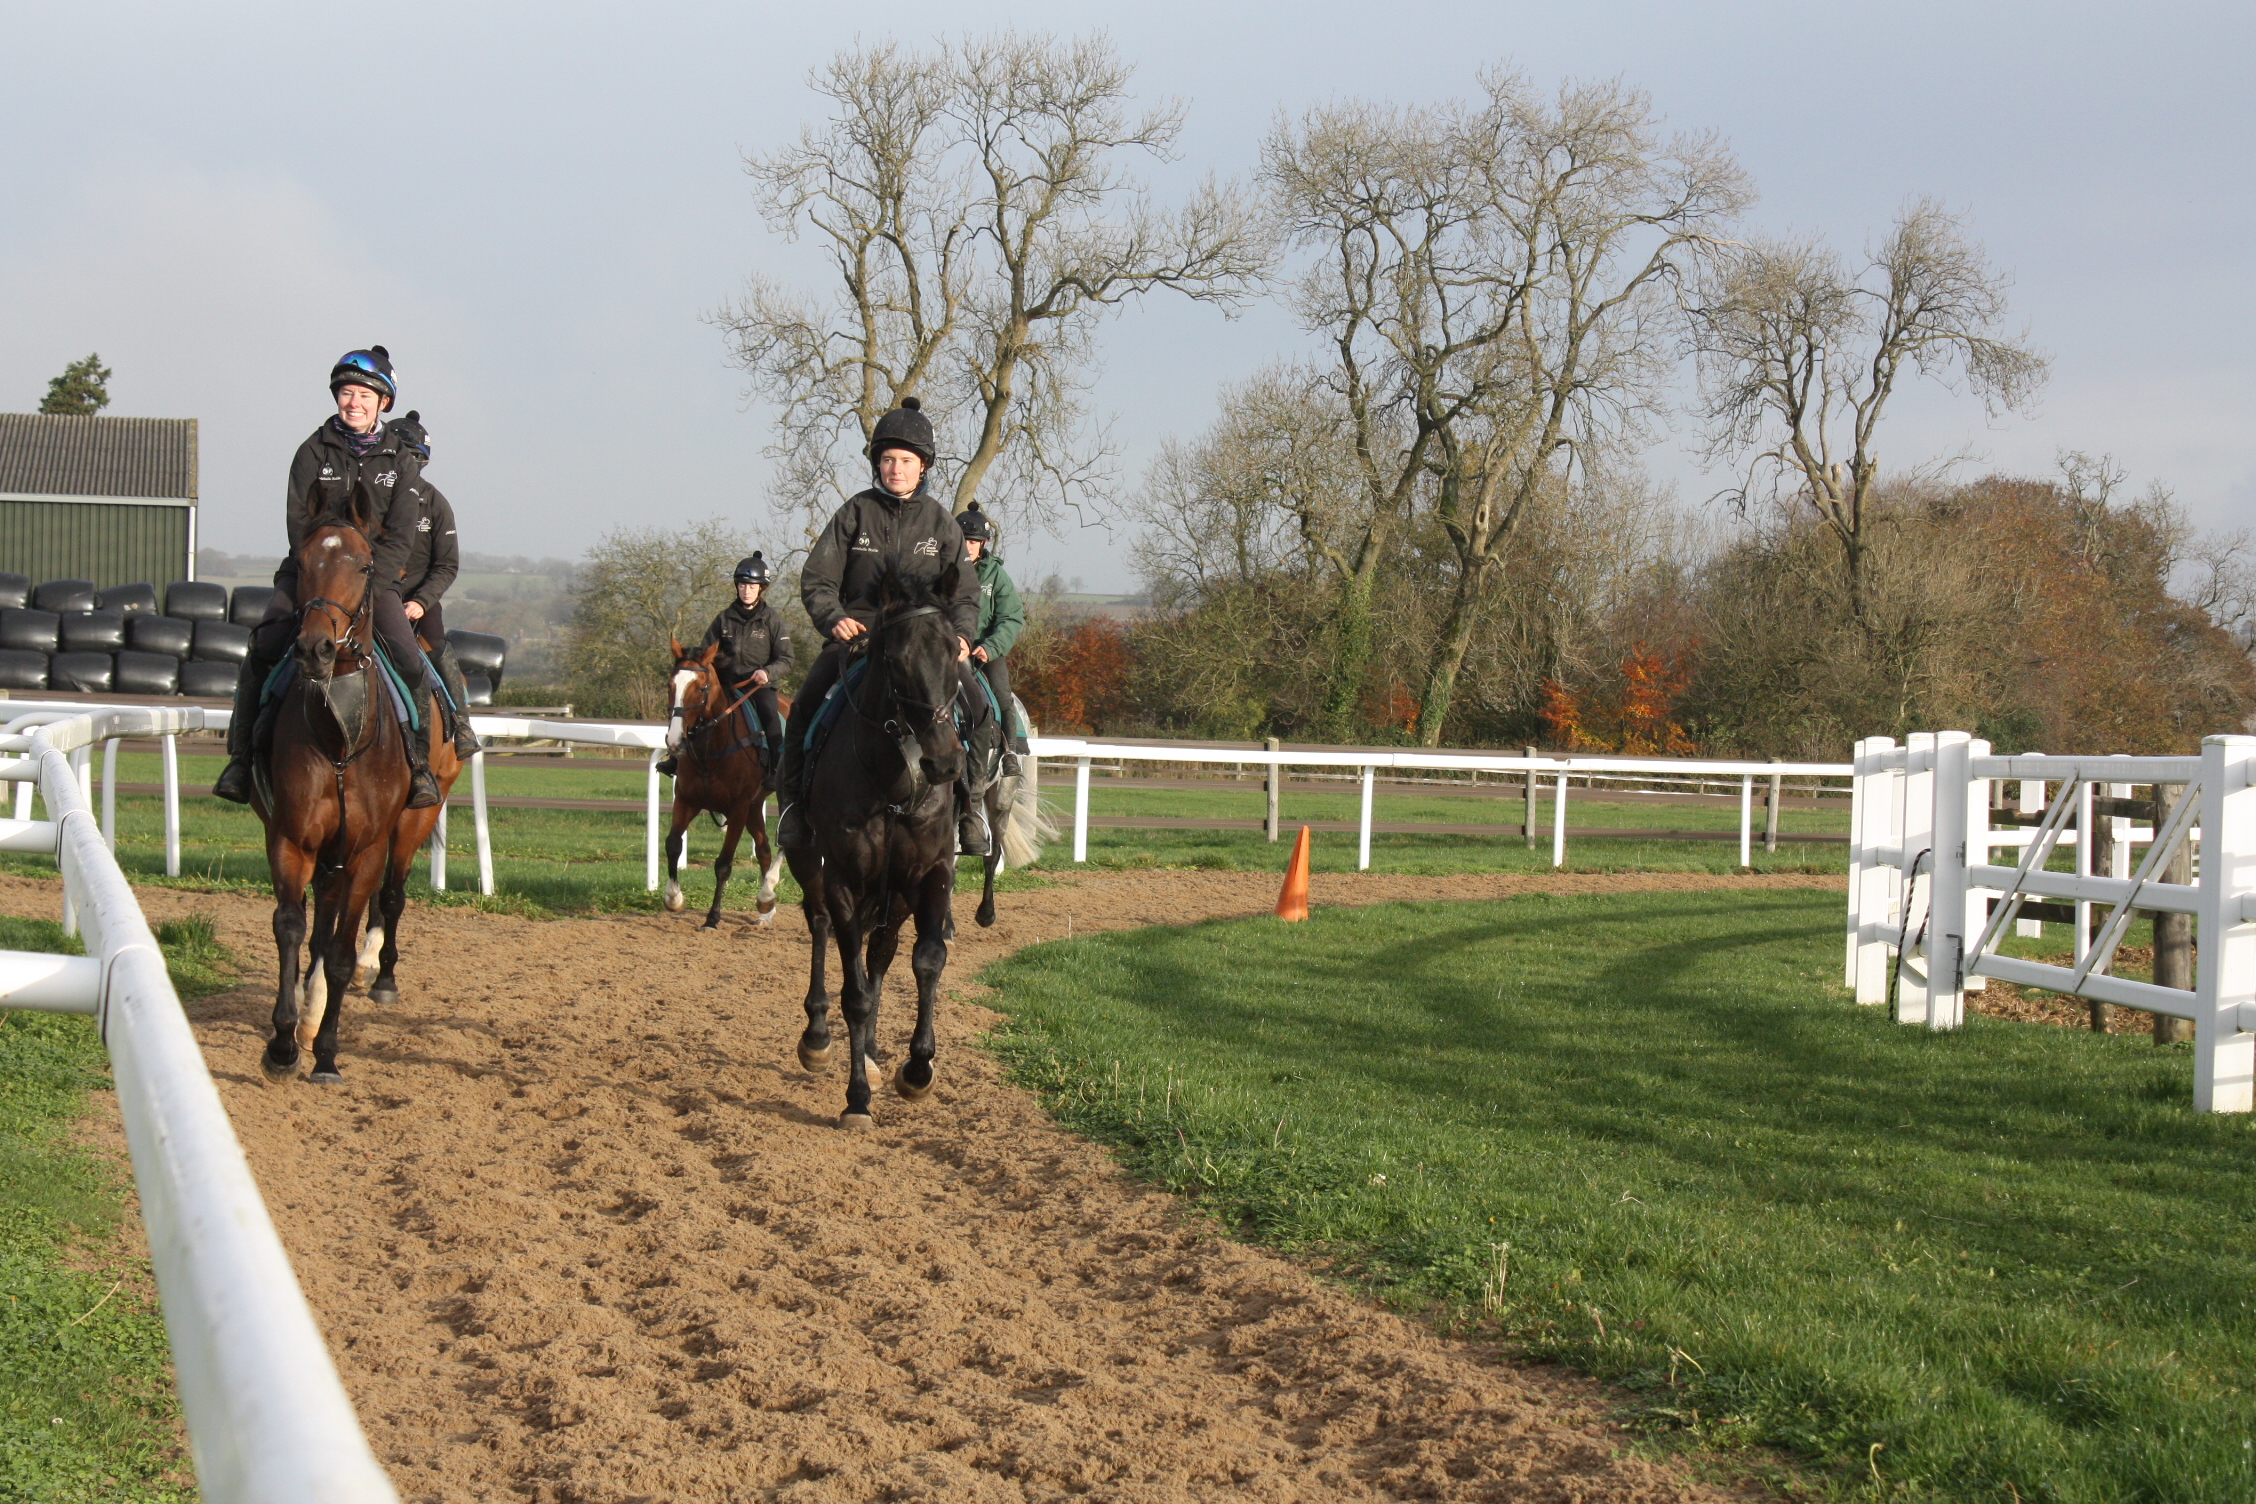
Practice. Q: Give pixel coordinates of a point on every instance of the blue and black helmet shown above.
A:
(371, 368)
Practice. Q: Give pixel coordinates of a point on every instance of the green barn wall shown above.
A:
(99, 541)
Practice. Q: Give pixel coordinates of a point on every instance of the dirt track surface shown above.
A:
(579, 1229)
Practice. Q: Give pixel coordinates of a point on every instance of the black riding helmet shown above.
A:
(752, 571)
(906, 427)
(371, 368)
(974, 524)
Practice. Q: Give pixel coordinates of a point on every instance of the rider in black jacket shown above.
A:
(353, 448)
(433, 560)
(755, 654)
(894, 526)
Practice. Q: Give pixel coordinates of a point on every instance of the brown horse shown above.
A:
(719, 770)
(333, 790)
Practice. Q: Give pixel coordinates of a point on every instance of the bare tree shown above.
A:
(636, 588)
(1799, 357)
(981, 222)
(1485, 275)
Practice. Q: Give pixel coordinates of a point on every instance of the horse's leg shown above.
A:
(771, 861)
(814, 1044)
(391, 903)
(352, 890)
(994, 801)
(927, 960)
(292, 867)
(857, 1000)
(884, 945)
(683, 814)
(723, 865)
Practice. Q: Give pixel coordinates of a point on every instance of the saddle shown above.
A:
(982, 735)
(345, 693)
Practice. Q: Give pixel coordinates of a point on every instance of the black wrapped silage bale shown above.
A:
(31, 631)
(209, 681)
(221, 642)
(64, 595)
(196, 600)
(145, 673)
(15, 591)
(92, 673)
(92, 632)
(477, 689)
(248, 608)
(128, 600)
(160, 634)
(22, 669)
(480, 653)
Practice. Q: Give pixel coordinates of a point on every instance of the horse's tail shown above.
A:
(1027, 826)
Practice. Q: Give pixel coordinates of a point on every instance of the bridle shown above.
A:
(358, 617)
(893, 726)
(706, 717)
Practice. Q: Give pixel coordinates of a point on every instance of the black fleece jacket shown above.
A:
(751, 639)
(875, 532)
(322, 477)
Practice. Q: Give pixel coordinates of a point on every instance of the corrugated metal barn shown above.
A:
(111, 500)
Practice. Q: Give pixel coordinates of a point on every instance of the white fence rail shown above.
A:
(1929, 903)
(268, 1419)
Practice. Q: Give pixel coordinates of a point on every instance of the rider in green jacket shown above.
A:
(1002, 616)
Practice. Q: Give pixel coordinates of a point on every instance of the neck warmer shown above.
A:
(361, 444)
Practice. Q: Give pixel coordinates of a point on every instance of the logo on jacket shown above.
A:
(422, 524)
(329, 474)
(387, 477)
(862, 545)
(930, 548)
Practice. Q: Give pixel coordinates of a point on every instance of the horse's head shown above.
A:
(915, 648)
(336, 589)
(696, 690)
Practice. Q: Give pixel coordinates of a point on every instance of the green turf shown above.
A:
(1650, 1136)
(86, 1402)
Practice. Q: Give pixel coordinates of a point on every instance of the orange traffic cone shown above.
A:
(1292, 903)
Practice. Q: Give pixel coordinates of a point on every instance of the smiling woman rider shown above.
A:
(354, 447)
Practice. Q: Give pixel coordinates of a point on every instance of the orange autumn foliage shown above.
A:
(1635, 713)
(1081, 683)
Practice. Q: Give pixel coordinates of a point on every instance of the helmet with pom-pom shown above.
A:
(906, 427)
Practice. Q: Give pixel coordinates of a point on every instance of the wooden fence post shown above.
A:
(1528, 824)
(2173, 933)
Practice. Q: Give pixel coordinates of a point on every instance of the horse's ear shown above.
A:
(888, 590)
(362, 507)
(679, 651)
(709, 655)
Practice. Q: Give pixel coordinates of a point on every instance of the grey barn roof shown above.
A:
(46, 455)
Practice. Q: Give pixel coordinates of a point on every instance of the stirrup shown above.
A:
(423, 790)
(791, 825)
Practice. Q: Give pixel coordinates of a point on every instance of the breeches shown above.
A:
(823, 673)
(997, 671)
(771, 721)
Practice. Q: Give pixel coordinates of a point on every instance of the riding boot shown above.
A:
(450, 673)
(971, 820)
(234, 782)
(669, 765)
(422, 788)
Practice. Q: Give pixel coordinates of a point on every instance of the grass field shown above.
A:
(86, 1402)
(579, 861)
(1651, 1138)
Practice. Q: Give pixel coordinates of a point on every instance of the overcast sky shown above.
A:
(533, 207)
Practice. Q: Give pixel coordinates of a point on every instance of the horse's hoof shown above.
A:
(767, 917)
(675, 901)
(986, 916)
(328, 1077)
(767, 906)
(855, 1122)
(813, 1060)
(910, 1092)
(278, 1071)
(386, 995)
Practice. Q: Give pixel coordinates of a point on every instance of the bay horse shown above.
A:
(882, 836)
(718, 769)
(333, 789)
(380, 951)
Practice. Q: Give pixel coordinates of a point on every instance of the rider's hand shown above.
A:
(847, 629)
(759, 678)
(414, 610)
(963, 650)
(980, 654)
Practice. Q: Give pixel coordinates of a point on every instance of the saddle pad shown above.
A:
(278, 684)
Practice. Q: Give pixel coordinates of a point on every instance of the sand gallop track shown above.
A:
(579, 1229)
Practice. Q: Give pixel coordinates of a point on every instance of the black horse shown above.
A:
(882, 827)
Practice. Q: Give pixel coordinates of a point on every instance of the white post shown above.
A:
(2119, 826)
(171, 745)
(1559, 823)
(82, 763)
(1975, 850)
(1363, 852)
(1081, 809)
(1747, 820)
(2029, 799)
(1856, 861)
(2084, 843)
(109, 793)
(1948, 908)
(478, 821)
(1913, 968)
(650, 826)
(2224, 1056)
(1876, 878)
(438, 851)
